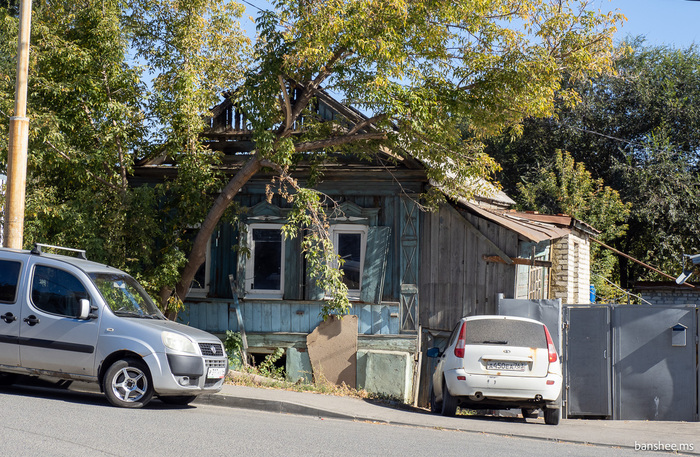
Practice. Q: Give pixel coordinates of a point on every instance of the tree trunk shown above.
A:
(198, 254)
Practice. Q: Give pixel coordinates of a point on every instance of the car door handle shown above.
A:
(31, 320)
(8, 317)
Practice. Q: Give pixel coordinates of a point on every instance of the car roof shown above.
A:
(87, 266)
(498, 316)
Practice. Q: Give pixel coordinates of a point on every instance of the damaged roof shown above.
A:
(531, 225)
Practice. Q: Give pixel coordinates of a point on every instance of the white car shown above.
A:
(498, 362)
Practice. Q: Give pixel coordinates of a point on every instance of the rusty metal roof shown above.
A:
(534, 227)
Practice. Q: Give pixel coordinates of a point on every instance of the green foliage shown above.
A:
(267, 367)
(426, 72)
(234, 347)
(567, 187)
(422, 69)
(638, 131)
(321, 260)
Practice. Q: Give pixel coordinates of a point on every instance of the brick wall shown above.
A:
(571, 273)
(672, 297)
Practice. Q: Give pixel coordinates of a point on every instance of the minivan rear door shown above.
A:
(51, 336)
(506, 347)
(10, 275)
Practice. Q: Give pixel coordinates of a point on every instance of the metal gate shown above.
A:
(588, 377)
(632, 362)
(655, 365)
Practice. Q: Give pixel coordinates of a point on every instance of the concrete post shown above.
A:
(18, 138)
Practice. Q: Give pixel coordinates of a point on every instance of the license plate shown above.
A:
(216, 373)
(505, 366)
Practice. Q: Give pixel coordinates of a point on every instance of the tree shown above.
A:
(565, 186)
(86, 121)
(419, 69)
(92, 118)
(638, 131)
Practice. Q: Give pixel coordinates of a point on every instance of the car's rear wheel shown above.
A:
(178, 400)
(435, 406)
(449, 403)
(551, 416)
(127, 383)
(530, 413)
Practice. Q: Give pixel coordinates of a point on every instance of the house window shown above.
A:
(199, 287)
(265, 265)
(349, 242)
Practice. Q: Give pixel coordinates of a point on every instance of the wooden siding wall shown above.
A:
(293, 314)
(260, 316)
(455, 280)
(386, 198)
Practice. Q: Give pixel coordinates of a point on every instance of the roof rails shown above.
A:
(38, 246)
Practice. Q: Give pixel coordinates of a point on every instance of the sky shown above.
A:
(672, 23)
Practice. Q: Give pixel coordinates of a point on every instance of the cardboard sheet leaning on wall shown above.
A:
(333, 350)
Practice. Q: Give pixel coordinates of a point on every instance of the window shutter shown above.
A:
(313, 291)
(242, 259)
(292, 269)
(374, 269)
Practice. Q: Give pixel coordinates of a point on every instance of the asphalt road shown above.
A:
(37, 421)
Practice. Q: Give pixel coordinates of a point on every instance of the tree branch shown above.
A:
(97, 178)
(287, 105)
(367, 122)
(338, 141)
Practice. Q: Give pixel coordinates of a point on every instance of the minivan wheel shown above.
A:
(435, 406)
(449, 403)
(178, 399)
(127, 384)
(7, 379)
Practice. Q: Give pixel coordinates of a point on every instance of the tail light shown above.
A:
(550, 346)
(461, 341)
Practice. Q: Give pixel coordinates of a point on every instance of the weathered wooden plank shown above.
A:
(266, 316)
(257, 317)
(248, 315)
(202, 316)
(277, 340)
(221, 316)
(456, 260)
(276, 317)
(404, 343)
(364, 319)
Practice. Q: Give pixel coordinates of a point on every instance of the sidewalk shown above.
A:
(626, 434)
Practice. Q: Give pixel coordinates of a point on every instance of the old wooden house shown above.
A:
(409, 272)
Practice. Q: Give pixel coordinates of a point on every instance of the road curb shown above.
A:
(275, 406)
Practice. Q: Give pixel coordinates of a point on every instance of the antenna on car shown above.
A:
(39, 246)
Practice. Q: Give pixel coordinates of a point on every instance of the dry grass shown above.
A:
(322, 386)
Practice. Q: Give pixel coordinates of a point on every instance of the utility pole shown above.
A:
(19, 132)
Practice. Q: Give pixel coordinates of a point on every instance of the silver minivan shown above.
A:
(66, 317)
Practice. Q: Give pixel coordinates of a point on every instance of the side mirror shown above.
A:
(86, 310)
(433, 353)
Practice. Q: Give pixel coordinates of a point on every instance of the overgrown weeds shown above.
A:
(267, 375)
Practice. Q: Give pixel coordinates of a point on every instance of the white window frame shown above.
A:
(202, 292)
(250, 265)
(337, 229)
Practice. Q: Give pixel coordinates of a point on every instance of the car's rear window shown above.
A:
(9, 276)
(506, 332)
